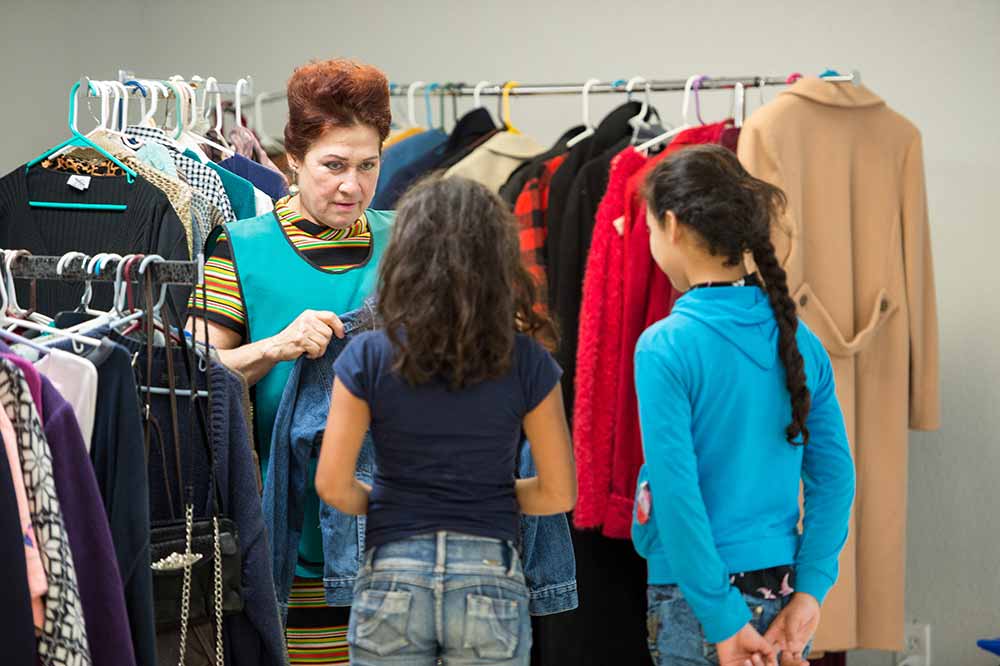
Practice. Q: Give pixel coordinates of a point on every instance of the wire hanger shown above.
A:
(590, 128)
(685, 124)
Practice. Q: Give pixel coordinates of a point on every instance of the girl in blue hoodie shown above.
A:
(737, 408)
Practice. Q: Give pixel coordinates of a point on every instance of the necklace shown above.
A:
(750, 280)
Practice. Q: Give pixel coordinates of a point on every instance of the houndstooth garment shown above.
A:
(63, 641)
(199, 176)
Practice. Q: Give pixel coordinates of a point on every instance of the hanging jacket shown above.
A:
(298, 431)
(857, 250)
(648, 299)
(600, 336)
(492, 163)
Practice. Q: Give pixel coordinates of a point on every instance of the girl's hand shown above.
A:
(795, 626)
(746, 648)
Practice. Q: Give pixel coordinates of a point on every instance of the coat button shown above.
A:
(804, 300)
(758, 611)
(884, 307)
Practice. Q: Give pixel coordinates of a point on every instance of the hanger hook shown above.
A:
(739, 102)
(411, 101)
(66, 259)
(505, 99)
(155, 259)
(9, 257)
(477, 91)
(119, 289)
(238, 103)
(586, 101)
(427, 103)
(686, 105)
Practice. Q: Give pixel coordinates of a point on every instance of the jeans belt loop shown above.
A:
(512, 556)
(441, 554)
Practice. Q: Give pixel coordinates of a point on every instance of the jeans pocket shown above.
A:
(379, 621)
(675, 635)
(492, 626)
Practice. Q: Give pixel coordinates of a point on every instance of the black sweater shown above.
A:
(149, 225)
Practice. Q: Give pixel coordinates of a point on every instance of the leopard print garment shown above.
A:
(63, 641)
(83, 167)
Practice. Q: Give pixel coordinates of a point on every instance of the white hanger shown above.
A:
(639, 120)
(739, 103)
(154, 92)
(211, 83)
(16, 309)
(411, 102)
(685, 122)
(590, 129)
(240, 85)
(476, 101)
(190, 96)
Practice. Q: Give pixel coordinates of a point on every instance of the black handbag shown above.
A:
(197, 564)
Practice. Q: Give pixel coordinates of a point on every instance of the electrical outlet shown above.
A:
(916, 645)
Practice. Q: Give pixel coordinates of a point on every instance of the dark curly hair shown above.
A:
(334, 93)
(709, 191)
(453, 292)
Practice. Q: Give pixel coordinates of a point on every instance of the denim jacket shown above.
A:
(546, 546)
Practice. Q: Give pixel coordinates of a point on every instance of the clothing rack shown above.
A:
(604, 87)
(244, 85)
(32, 267)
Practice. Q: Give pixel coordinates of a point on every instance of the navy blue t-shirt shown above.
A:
(444, 459)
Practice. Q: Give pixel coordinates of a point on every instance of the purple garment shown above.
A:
(100, 583)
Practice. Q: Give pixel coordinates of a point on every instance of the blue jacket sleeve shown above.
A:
(678, 506)
(828, 482)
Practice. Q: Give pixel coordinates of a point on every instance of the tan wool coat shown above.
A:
(857, 251)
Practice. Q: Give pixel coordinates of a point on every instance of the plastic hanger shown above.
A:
(194, 115)
(739, 103)
(590, 128)
(411, 102)
(638, 121)
(15, 308)
(178, 110)
(828, 73)
(79, 140)
(427, 104)
(685, 124)
(238, 101)
(697, 97)
(505, 101)
(14, 338)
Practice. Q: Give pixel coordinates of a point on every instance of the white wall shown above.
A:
(933, 61)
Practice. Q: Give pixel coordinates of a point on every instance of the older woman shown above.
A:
(275, 282)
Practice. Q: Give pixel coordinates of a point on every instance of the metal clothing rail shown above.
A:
(604, 87)
(32, 267)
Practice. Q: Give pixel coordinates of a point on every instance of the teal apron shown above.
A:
(278, 284)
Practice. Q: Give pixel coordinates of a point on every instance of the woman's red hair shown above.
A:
(334, 93)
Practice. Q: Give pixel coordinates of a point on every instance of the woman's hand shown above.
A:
(309, 334)
(746, 648)
(794, 626)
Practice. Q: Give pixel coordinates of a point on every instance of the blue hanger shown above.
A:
(829, 73)
(431, 87)
(78, 140)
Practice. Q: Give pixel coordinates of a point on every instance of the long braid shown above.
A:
(708, 190)
(776, 285)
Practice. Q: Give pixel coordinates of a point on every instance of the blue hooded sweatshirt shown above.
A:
(724, 481)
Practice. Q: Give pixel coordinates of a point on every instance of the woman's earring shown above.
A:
(293, 188)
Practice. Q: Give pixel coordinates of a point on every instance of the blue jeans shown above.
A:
(454, 596)
(675, 636)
